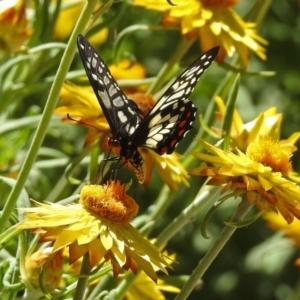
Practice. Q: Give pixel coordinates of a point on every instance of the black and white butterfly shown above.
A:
(166, 123)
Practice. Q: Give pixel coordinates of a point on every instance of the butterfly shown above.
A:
(162, 128)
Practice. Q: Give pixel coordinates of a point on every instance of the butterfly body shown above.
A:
(162, 128)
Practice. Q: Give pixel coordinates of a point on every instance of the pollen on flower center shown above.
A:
(109, 201)
(219, 3)
(271, 153)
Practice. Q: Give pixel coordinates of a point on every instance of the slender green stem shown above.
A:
(130, 30)
(258, 11)
(214, 250)
(47, 114)
(229, 111)
(205, 195)
(181, 49)
(161, 204)
(56, 191)
(124, 286)
(83, 280)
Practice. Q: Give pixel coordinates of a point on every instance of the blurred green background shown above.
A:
(256, 263)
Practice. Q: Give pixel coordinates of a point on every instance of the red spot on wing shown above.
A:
(173, 143)
(164, 150)
(181, 132)
(182, 123)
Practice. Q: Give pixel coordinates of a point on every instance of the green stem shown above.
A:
(161, 204)
(258, 11)
(124, 286)
(47, 114)
(205, 195)
(214, 250)
(83, 279)
(183, 46)
(229, 111)
(61, 185)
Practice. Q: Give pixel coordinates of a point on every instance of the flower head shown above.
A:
(98, 226)
(53, 268)
(259, 174)
(14, 29)
(214, 23)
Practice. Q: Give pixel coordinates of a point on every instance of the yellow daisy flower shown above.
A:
(267, 123)
(14, 27)
(81, 104)
(214, 23)
(98, 226)
(258, 174)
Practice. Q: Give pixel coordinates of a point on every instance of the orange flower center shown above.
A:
(218, 3)
(109, 201)
(143, 101)
(271, 153)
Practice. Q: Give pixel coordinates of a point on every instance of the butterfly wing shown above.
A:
(119, 111)
(172, 116)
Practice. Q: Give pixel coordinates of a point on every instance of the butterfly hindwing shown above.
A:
(118, 110)
(172, 116)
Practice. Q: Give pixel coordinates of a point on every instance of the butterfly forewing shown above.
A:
(118, 110)
(172, 116)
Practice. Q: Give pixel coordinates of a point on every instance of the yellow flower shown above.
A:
(14, 29)
(267, 123)
(258, 174)
(214, 23)
(98, 226)
(81, 104)
(52, 273)
(67, 18)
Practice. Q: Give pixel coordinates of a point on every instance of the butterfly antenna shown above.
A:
(86, 124)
